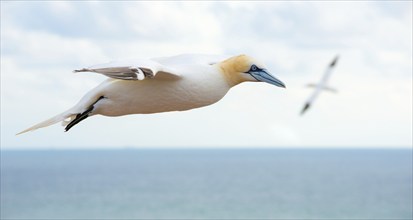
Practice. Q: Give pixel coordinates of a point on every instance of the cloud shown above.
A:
(42, 42)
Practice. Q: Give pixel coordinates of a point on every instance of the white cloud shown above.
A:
(40, 47)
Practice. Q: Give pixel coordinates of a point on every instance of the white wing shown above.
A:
(328, 72)
(137, 69)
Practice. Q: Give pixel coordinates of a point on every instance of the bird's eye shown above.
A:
(254, 68)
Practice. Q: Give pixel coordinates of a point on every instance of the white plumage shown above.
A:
(164, 84)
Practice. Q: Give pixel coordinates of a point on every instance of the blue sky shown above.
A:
(42, 42)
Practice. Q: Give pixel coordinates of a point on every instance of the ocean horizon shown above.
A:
(243, 183)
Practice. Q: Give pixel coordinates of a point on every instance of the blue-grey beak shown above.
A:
(264, 76)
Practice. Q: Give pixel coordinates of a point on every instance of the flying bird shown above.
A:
(322, 85)
(176, 83)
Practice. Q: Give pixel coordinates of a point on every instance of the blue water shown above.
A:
(207, 184)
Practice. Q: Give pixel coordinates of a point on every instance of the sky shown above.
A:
(43, 41)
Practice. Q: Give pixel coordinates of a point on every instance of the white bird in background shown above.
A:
(322, 85)
(164, 84)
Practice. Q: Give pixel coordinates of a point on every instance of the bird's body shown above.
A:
(160, 85)
(200, 88)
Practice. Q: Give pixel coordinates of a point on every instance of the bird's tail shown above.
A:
(65, 117)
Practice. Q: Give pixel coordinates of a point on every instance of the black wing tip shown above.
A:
(82, 116)
(333, 63)
(305, 108)
(82, 70)
(79, 118)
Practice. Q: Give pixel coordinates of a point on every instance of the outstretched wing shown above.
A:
(131, 69)
(328, 72)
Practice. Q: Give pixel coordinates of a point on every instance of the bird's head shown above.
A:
(243, 68)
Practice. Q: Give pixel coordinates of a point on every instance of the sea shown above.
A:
(207, 184)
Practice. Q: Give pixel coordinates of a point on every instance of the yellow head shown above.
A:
(243, 68)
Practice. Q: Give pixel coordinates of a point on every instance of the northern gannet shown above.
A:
(322, 85)
(164, 84)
